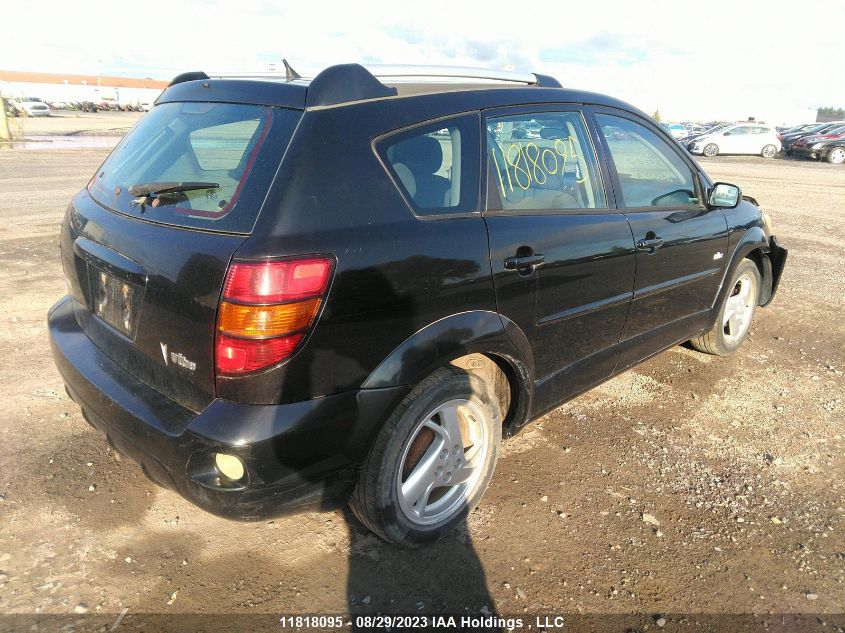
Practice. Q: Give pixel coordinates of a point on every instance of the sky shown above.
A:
(689, 60)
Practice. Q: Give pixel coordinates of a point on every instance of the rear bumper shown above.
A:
(297, 455)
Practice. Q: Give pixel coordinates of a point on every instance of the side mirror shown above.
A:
(724, 195)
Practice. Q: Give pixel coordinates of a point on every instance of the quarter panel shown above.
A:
(395, 273)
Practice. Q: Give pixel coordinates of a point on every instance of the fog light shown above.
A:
(229, 465)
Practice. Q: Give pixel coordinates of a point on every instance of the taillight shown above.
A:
(266, 310)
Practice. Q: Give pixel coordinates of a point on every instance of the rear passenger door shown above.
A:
(681, 243)
(562, 256)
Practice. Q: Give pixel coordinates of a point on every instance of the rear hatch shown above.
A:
(146, 246)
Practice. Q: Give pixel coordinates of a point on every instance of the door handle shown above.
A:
(650, 245)
(524, 263)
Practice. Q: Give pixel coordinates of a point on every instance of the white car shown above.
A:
(30, 106)
(740, 138)
(675, 129)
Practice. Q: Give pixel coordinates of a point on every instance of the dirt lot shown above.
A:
(690, 485)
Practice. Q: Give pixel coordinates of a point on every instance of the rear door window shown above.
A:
(225, 153)
(436, 165)
(542, 161)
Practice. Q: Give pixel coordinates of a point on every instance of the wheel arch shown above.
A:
(754, 246)
(480, 342)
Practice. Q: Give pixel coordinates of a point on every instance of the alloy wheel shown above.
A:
(442, 462)
(739, 308)
(837, 155)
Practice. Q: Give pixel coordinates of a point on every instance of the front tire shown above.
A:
(710, 150)
(735, 315)
(836, 155)
(769, 151)
(432, 460)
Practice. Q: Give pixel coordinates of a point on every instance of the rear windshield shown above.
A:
(198, 165)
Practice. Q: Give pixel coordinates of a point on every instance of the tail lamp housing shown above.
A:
(266, 310)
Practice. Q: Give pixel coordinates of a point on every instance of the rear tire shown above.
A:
(836, 155)
(710, 150)
(418, 483)
(735, 315)
(769, 151)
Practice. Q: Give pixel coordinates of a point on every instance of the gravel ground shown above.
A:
(691, 484)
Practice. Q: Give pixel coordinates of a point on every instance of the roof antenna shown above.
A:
(290, 73)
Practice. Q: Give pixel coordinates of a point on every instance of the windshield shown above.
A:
(216, 148)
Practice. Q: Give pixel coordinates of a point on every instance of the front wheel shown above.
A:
(432, 460)
(735, 315)
(769, 151)
(710, 150)
(836, 155)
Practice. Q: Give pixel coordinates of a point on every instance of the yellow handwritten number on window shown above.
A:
(532, 165)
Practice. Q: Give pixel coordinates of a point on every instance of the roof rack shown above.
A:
(353, 82)
(344, 83)
(462, 73)
(289, 74)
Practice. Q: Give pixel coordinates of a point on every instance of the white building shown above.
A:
(53, 87)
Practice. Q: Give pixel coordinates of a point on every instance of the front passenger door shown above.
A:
(681, 244)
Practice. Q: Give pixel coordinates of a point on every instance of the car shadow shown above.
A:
(446, 577)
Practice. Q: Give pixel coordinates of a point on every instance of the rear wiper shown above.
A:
(156, 188)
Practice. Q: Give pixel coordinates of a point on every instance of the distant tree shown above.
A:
(656, 116)
(830, 114)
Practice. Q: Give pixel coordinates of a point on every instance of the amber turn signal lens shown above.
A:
(265, 321)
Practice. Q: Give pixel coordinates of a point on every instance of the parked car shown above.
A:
(300, 296)
(797, 129)
(812, 146)
(528, 129)
(705, 131)
(694, 130)
(739, 138)
(675, 129)
(29, 106)
(819, 128)
(83, 106)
